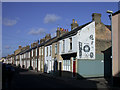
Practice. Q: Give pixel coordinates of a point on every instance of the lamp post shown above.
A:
(111, 12)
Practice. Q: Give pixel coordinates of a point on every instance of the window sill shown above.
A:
(70, 50)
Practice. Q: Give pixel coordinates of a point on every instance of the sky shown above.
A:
(26, 22)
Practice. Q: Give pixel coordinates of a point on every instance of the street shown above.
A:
(25, 79)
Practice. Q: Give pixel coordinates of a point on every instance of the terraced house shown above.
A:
(79, 52)
(52, 56)
(9, 59)
(25, 58)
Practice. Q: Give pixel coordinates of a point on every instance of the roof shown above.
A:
(108, 26)
(22, 52)
(48, 41)
(116, 13)
(73, 32)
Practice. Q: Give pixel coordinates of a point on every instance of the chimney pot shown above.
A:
(20, 46)
(73, 20)
(58, 28)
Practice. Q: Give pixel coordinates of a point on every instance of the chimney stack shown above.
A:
(47, 37)
(74, 24)
(61, 31)
(96, 17)
(42, 40)
(58, 31)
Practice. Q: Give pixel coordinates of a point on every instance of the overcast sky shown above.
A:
(25, 23)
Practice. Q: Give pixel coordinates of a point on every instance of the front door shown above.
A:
(74, 67)
(60, 68)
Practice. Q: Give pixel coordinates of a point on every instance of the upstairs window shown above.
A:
(55, 48)
(63, 45)
(70, 43)
(50, 50)
(42, 51)
(36, 51)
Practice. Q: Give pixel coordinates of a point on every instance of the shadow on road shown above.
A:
(25, 79)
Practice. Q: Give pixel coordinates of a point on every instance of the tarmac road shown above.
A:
(25, 79)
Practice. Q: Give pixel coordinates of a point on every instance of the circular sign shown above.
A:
(86, 48)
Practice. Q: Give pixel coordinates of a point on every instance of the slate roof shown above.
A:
(71, 33)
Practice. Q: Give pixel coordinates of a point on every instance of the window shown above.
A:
(47, 51)
(40, 51)
(66, 65)
(36, 51)
(63, 45)
(50, 50)
(28, 55)
(33, 52)
(55, 48)
(70, 43)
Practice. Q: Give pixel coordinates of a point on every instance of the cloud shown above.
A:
(9, 22)
(51, 18)
(7, 47)
(40, 31)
